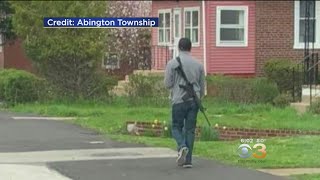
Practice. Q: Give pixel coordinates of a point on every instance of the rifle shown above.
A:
(190, 92)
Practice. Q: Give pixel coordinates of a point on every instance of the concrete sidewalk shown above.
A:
(29, 172)
(291, 171)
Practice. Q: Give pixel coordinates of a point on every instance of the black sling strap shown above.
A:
(190, 93)
(182, 73)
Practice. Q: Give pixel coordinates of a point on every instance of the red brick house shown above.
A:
(229, 37)
(12, 56)
(232, 37)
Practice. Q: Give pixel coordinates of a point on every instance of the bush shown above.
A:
(242, 90)
(3, 75)
(167, 129)
(280, 71)
(208, 133)
(315, 107)
(48, 92)
(97, 87)
(263, 91)
(282, 100)
(100, 86)
(147, 90)
(17, 86)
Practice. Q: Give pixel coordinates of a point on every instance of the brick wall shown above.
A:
(14, 57)
(226, 134)
(275, 32)
(238, 133)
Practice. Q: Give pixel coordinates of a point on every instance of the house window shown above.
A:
(111, 61)
(164, 26)
(232, 26)
(191, 24)
(301, 21)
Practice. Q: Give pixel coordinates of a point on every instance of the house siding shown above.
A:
(160, 54)
(230, 60)
(14, 57)
(275, 32)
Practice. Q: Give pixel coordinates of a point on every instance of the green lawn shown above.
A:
(306, 177)
(281, 152)
(111, 116)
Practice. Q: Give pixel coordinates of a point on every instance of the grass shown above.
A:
(281, 152)
(111, 116)
(306, 177)
(292, 152)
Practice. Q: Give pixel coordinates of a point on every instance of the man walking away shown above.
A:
(184, 112)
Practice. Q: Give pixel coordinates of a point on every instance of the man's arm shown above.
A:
(168, 76)
(202, 81)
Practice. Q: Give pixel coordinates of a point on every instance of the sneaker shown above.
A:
(182, 156)
(187, 166)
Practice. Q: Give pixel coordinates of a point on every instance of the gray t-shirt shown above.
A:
(194, 72)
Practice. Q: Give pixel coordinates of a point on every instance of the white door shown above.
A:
(176, 30)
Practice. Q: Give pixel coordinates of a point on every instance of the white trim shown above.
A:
(297, 44)
(180, 16)
(204, 36)
(176, 11)
(204, 44)
(197, 8)
(218, 23)
(163, 11)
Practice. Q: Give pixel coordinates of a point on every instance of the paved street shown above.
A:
(37, 149)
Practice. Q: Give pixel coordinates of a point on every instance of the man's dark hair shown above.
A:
(185, 44)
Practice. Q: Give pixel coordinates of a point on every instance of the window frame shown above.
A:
(164, 11)
(220, 43)
(296, 43)
(191, 9)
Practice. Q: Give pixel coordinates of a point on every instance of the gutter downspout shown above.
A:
(204, 42)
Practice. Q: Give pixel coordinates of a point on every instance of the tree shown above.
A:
(133, 45)
(67, 57)
(6, 29)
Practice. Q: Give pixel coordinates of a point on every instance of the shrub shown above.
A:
(17, 86)
(96, 87)
(315, 107)
(208, 133)
(280, 71)
(282, 100)
(2, 77)
(48, 92)
(167, 129)
(242, 90)
(263, 91)
(229, 89)
(100, 86)
(147, 90)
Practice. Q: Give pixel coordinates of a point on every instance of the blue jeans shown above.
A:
(184, 120)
